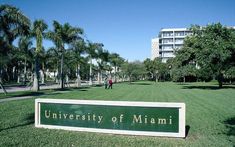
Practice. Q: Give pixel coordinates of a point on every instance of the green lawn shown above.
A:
(210, 116)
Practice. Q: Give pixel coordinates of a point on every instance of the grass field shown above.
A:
(210, 116)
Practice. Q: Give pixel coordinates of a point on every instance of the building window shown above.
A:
(188, 33)
(167, 34)
(179, 40)
(167, 41)
(178, 46)
(179, 33)
(167, 47)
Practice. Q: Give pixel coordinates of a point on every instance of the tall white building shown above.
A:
(168, 40)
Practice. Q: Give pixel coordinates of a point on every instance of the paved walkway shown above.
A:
(15, 98)
(24, 88)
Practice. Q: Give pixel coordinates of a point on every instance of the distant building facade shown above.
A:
(155, 48)
(168, 40)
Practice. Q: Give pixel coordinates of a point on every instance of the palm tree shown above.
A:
(116, 62)
(61, 35)
(77, 48)
(13, 23)
(52, 61)
(102, 60)
(39, 27)
(92, 53)
(43, 57)
(24, 53)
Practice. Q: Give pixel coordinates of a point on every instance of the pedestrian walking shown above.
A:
(110, 84)
(105, 83)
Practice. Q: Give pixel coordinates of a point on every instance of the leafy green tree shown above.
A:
(156, 69)
(209, 51)
(230, 74)
(184, 64)
(134, 70)
(120, 60)
(128, 69)
(215, 49)
(38, 31)
(150, 68)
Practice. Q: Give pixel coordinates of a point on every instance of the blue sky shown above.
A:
(127, 26)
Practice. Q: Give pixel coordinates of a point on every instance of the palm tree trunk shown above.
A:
(55, 76)
(78, 76)
(25, 70)
(115, 79)
(7, 74)
(57, 73)
(18, 73)
(62, 71)
(1, 85)
(67, 80)
(156, 80)
(32, 67)
(18, 76)
(90, 80)
(3, 88)
(36, 76)
(14, 73)
(43, 77)
(98, 77)
(220, 80)
(43, 73)
(110, 73)
(101, 77)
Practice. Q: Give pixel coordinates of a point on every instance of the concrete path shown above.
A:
(15, 98)
(25, 88)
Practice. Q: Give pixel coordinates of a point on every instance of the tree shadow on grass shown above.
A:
(98, 85)
(82, 90)
(66, 90)
(28, 120)
(182, 84)
(29, 94)
(70, 89)
(208, 87)
(133, 83)
(230, 125)
(79, 88)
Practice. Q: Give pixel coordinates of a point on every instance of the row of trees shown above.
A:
(209, 53)
(71, 52)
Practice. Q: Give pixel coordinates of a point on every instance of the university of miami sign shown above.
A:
(118, 117)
